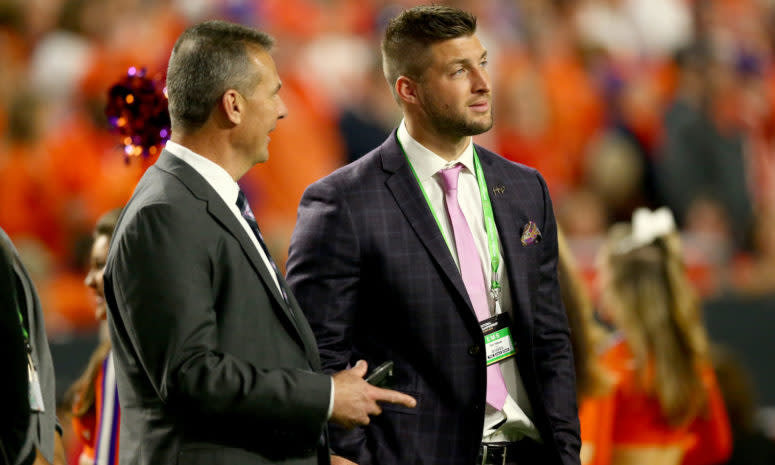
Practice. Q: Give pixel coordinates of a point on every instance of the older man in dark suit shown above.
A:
(215, 363)
(441, 256)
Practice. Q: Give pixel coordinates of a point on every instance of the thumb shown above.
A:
(360, 368)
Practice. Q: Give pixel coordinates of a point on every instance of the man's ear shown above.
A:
(232, 105)
(406, 89)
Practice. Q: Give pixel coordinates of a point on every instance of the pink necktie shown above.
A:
(473, 277)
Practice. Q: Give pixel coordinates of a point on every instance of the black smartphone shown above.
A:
(381, 375)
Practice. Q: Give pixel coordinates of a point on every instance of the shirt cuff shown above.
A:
(331, 401)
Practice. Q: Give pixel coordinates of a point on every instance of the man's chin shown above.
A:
(262, 157)
(464, 127)
(475, 127)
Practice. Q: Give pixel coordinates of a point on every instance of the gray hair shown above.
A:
(208, 59)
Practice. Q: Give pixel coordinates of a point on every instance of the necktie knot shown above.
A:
(450, 177)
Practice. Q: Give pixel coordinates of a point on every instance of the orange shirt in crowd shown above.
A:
(551, 111)
(28, 206)
(627, 425)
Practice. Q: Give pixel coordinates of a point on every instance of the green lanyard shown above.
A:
(489, 220)
(489, 226)
(21, 322)
(27, 346)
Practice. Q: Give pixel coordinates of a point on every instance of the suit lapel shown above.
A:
(509, 219)
(406, 191)
(23, 280)
(224, 216)
(305, 331)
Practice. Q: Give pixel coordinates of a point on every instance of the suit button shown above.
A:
(473, 350)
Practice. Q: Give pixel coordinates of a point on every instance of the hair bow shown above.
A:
(647, 226)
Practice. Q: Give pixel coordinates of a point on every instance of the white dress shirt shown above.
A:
(513, 422)
(228, 190)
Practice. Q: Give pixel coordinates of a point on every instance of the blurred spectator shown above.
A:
(369, 115)
(703, 151)
(93, 399)
(631, 29)
(27, 197)
(593, 382)
(756, 272)
(709, 245)
(583, 215)
(615, 171)
(547, 108)
(667, 407)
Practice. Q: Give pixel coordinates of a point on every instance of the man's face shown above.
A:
(454, 91)
(99, 254)
(263, 107)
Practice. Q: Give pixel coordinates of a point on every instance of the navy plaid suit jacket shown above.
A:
(376, 280)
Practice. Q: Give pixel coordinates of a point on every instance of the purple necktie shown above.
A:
(247, 213)
(473, 277)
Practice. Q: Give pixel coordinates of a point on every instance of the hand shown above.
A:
(39, 459)
(60, 457)
(355, 399)
(339, 460)
(59, 453)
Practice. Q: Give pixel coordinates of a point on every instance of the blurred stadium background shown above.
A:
(619, 103)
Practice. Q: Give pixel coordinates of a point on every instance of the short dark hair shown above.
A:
(409, 35)
(208, 59)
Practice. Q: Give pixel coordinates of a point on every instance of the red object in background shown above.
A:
(137, 111)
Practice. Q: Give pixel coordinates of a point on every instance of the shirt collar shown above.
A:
(425, 162)
(214, 174)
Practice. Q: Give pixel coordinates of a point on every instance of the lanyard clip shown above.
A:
(495, 290)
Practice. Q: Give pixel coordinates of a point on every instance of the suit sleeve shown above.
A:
(159, 273)
(323, 272)
(551, 342)
(14, 389)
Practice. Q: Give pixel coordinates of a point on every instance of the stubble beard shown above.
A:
(456, 124)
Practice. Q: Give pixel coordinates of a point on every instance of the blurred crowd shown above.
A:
(619, 103)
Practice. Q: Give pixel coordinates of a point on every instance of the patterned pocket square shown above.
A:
(530, 234)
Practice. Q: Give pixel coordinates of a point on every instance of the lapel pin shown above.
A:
(499, 189)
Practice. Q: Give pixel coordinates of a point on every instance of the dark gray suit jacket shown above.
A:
(14, 390)
(42, 425)
(212, 366)
(377, 281)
